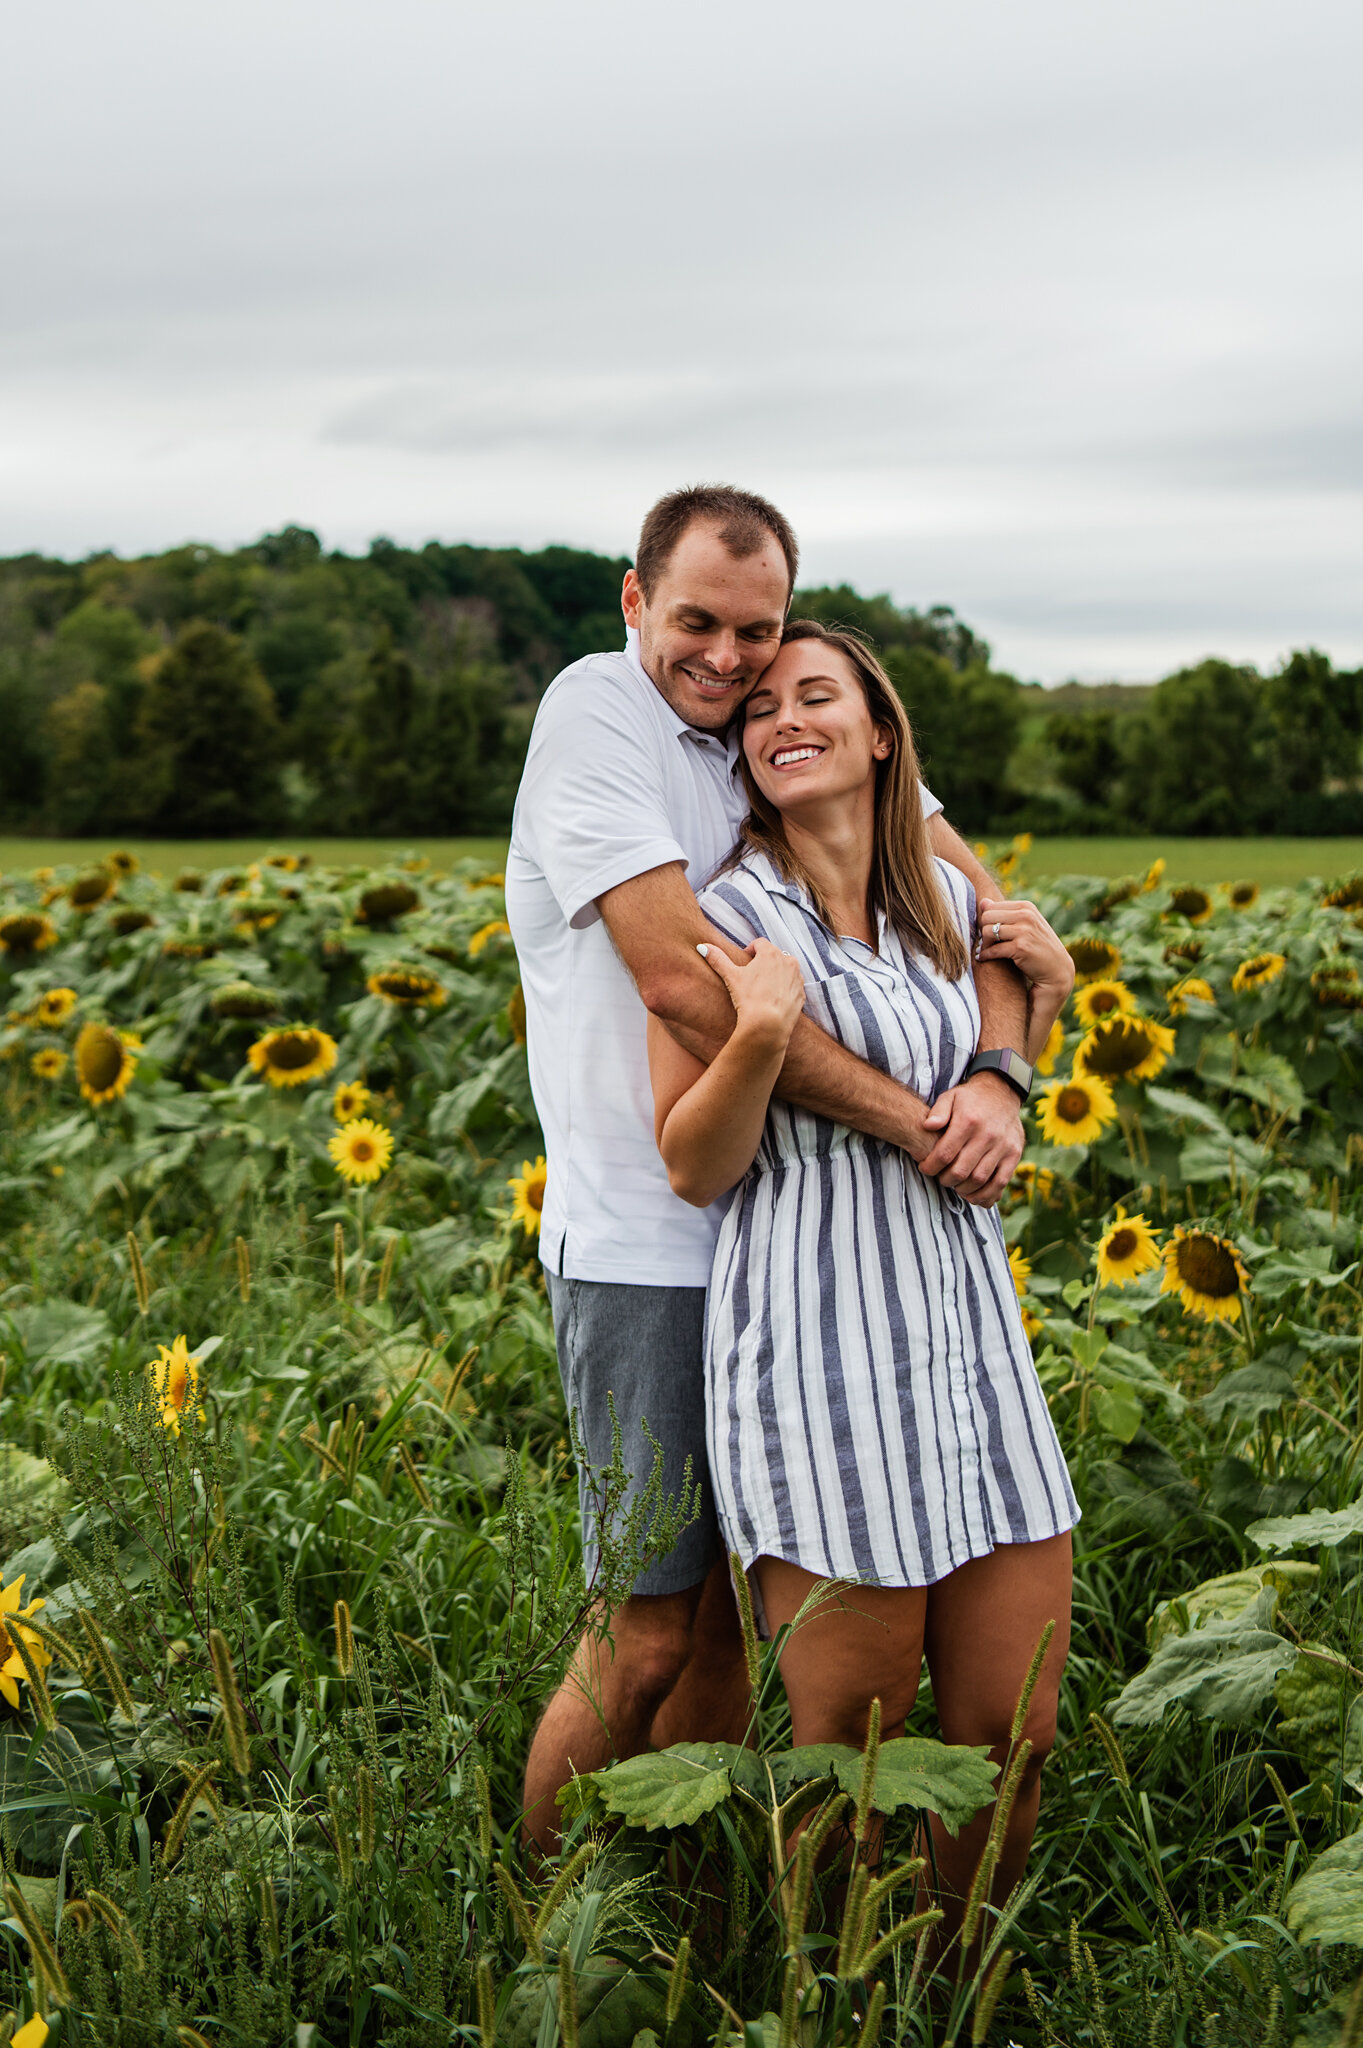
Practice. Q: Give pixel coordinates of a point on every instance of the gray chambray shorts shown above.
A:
(646, 1347)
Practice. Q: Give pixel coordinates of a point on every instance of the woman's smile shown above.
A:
(791, 757)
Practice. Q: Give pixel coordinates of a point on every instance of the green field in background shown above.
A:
(1189, 860)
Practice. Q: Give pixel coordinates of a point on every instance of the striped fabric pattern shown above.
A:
(873, 1410)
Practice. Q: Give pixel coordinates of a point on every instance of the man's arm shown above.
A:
(656, 924)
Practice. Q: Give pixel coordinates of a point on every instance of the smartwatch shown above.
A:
(1010, 1065)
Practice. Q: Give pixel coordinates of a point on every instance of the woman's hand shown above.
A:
(766, 989)
(1018, 932)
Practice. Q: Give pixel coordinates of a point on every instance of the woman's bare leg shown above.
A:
(983, 1625)
(863, 1643)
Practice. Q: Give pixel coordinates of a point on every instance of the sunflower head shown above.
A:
(295, 1054)
(1077, 1111)
(361, 1150)
(1126, 1249)
(288, 863)
(1021, 1269)
(1094, 959)
(1206, 1272)
(230, 884)
(1183, 952)
(515, 1014)
(496, 880)
(1335, 984)
(1242, 895)
(1125, 1049)
(26, 931)
(90, 889)
(1052, 1049)
(381, 902)
(1098, 1000)
(527, 1194)
(12, 1618)
(1154, 875)
(1113, 897)
(1192, 989)
(123, 923)
(55, 1007)
(1031, 1183)
(105, 1063)
(189, 881)
(1191, 902)
(1346, 894)
(174, 1376)
(409, 987)
(122, 862)
(49, 1064)
(485, 934)
(243, 999)
(350, 1100)
(1257, 972)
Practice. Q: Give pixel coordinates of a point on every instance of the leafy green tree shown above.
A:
(1087, 753)
(965, 726)
(1198, 759)
(210, 737)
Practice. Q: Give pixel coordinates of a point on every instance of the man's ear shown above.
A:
(631, 599)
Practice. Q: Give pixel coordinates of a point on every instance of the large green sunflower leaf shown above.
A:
(1226, 1598)
(1224, 1671)
(1249, 1392)
(1326, 1904)
(952, 1780)
(1329, 1526)
(669, 1788)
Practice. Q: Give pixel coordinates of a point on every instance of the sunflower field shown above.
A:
(288, 1553)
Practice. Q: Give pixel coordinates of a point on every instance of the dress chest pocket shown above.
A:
(872, 1011)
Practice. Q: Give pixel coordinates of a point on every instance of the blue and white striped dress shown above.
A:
(874, 1413)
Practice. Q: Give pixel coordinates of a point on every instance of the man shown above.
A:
(628, 801)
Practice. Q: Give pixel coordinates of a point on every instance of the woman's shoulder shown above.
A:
(959, 891)
(749, 887)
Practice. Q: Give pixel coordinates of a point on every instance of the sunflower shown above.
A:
(1032, 1323)
(12, 1672)
(55, 1007)
(122, 862)
(383, 901)
(243, 999)
(91, 889)
(1126, 1250)
(1154, 875)
(1186, 951)
(1125, 1049)
(1094, 959)
(1097, 1000)
(105, 1063)
(1052, 1049)
(1032, 1183)
(486, 933)
(289, 863)
(49, 1064)
(230, 884)
(1257, 972)
(515, 1014)
(123, 923)
(409, 987)
(26, 931)
(1113, 898)
(1075, 1112)
(1192, 989)
(527, 1188)
(292, 1055)
(1206, 1272)
(1335, 985)
(361, 1150)
(1242, 895)
(174, 1376)
(1190, 902)
(189, 881)
(493, 881)
(1345, 895)
(1021, 1269)
(350, 1100)
(190, 949)
(32, 2034)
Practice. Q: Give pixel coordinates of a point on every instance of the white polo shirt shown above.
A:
(615, 783)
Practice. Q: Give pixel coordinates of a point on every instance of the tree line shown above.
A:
(279, 687)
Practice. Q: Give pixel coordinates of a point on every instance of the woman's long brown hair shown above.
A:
(904, 880)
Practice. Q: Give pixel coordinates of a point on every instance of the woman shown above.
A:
(874, 1412)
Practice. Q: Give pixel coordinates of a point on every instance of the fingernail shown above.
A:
(704, 952)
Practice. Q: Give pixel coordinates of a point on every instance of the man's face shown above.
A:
(711, 625)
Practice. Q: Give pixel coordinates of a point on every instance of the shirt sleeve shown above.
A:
(593, 793)
(931, 804)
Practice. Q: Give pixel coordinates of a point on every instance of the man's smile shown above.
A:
(712, 686)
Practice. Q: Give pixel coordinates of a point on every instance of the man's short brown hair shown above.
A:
(746, 523)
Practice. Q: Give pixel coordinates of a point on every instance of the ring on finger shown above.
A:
(996, 932)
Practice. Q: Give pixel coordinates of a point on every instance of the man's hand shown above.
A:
(980, 1139)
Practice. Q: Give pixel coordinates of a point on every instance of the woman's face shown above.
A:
(808, 735)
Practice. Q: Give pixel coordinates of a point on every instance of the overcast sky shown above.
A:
(1047, 309)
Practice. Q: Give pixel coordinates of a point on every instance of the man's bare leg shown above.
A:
(616, 1687)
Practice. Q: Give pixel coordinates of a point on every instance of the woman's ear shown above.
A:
(884, 744)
